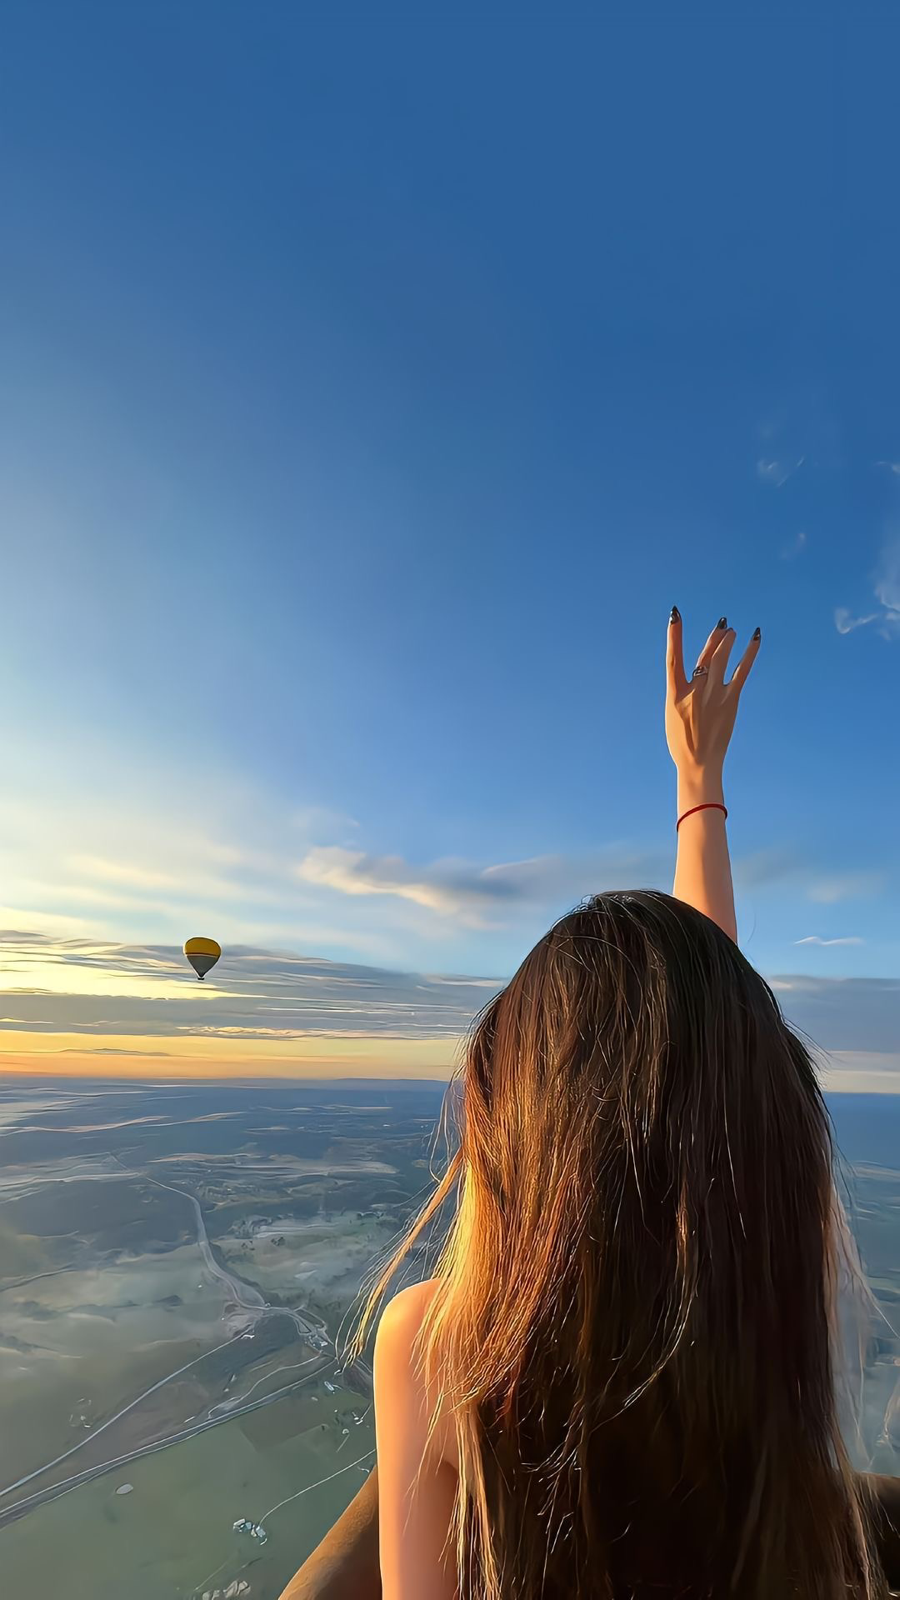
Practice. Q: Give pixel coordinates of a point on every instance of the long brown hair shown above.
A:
(632, 1327)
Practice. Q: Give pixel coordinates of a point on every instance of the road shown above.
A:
(241, 1297)
(20, 1508)
(102, 1427)
(245, 1306)
(19, 1283)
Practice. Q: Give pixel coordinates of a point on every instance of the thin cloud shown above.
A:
(118, 1050)
(31, 921)
(110, 856)
(813, 938)
(845, 621)
(777, 472)
(125, 855)
(845, 886)
(475, 894)
(121, 872)
(764, 867)
(860, 1071)
(323, 822)
(887, 584)
(353, 872)
(796, 547)
(887, 593)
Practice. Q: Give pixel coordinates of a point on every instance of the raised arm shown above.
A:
(700, 714)
(345, 1566)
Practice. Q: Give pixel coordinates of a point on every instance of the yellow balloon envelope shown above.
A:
(202, 954)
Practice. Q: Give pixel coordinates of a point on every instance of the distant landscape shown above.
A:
(178, 1267)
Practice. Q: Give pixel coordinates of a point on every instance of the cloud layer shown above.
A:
(99, 990)
(120, 852)
(78, 1007)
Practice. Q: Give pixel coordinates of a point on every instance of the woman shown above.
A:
(619, 1382)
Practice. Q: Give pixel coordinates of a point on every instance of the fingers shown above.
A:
(706, 656)
(718, 661)
(677, 682)
(714, 656)
(709, 649)
(742, 670)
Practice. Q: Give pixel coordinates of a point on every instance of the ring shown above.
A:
(699, 672)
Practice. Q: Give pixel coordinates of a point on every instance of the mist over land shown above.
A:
(178, 1266)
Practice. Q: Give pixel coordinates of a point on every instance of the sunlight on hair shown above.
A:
(645, 1279)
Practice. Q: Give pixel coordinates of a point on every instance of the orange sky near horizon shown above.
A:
(66, 1055)
(70, 1055)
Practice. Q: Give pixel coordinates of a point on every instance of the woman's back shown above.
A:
(665, 1510)
(631, 1327)
(619, 1383)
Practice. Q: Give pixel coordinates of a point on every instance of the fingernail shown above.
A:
(722, 622)
(757, 634)
(676, 615)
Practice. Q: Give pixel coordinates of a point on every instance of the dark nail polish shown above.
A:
(676, 615)
(722, 622)
(757, 634)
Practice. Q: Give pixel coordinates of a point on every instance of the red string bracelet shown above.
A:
(708, 805)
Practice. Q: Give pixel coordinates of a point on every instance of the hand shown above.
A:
(700, 712)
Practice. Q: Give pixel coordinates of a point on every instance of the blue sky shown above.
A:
(371, 389)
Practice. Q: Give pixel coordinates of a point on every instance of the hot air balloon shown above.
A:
(203, 955)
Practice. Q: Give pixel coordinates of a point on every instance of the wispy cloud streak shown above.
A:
(478, 895)
(796, 547)
(777, 472)
(887, 593)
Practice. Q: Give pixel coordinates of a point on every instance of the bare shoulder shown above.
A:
(402, 1317)
(396, 1371)
(399, 1324)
